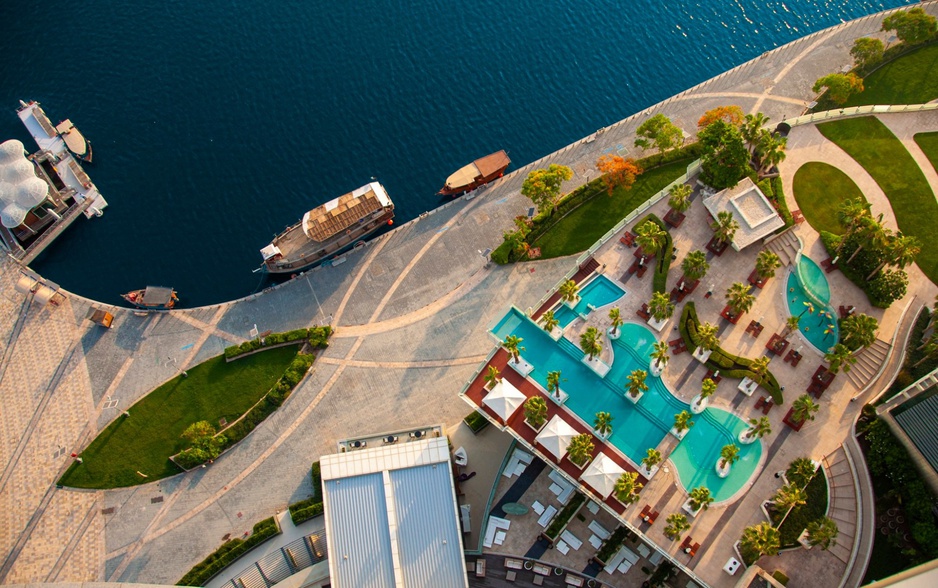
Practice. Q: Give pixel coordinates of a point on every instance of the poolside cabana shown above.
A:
(601, 475)
(750, 208)
(504, 400)
(556, 436)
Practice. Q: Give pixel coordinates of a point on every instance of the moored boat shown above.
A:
(152, 298)
(478, 173)
(329, 229)
(74, 140)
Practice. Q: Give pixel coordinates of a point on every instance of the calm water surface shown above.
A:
(216, 124)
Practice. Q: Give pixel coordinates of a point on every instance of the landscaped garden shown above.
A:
(928, 143)
(909, 79)
(820, 189)
(886, 159)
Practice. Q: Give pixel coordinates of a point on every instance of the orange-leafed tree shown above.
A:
(729, 114)
(618, 172)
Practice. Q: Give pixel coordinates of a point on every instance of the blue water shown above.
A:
(636, 427)
(216, 124)
(808, 284)
(599, 292)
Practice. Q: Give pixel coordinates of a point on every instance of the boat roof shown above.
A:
(157, 295)
(483, 166)
(341, 213)
(74, 140)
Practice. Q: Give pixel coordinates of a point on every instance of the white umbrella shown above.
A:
(602, 474)
(504, 399)
(556, 436)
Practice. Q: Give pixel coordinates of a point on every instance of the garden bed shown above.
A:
(317, 337)
(228, 553)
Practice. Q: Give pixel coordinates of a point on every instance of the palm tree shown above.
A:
(791, 325)
(739, 299)
(729, 455)
(616, 319)
(929, 350)
(695, 265)
(873, 233)
(707, 388)
(682, 422)
(803, 409)
(580, 448)
(759, 367)
(852, 214)
(491, 377)
(589, 341)
(707, 335)
(823, 533)
(900, 251)
(700, 498)
(603, 424)
(651, 237)
(724, 227)
(771, 152)
(758, 428)
(549, 321)
(677, 524)
(751, 129)
(759, 540)
(627, 487)
(512, 346)
(660, 306)
(766, 264)
(568, 291)
(840, 357)
(660, 354)
(679, 197)
(651, 459)
(858, 330)
(800, 471)
(553, 384)
(789, 496)
(636, 383)
(535, 411)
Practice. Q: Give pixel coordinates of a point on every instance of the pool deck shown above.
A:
(412, 310)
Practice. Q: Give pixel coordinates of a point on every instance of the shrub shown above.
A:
(660, 281)
(316, 336)
(612, 544)
(780, 577)
(864, 263)
(228, 552)
(476, 421)
(560, 521)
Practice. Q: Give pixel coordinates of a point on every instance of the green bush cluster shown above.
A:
(894, 472)
(311, 507)
(864, 263)
(731, 366)
(228, 552)
(612, 544)
(476, 421)
(780, 577)
(560, 521)
(316, 336)
(815, 508)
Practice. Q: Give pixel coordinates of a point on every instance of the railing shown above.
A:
(283, 563)
(848, 112)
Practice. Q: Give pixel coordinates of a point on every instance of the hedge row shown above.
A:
(311, 507)
(560, 521)
(316, 336)
(772, 188)
(612, 544)
(729, 365)
(660, 281)
(228, 552)
(476, 421)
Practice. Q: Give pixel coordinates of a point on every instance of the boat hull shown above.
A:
(137, 298)
(476, 174)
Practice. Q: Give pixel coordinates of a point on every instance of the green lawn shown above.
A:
(584, 226)
(886, 159)
(819, 190)
(910, 79)
(928, 143)
(144, 441)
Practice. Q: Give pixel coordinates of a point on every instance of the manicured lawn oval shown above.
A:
(820, 188)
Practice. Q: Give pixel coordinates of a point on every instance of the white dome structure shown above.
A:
(21, 189)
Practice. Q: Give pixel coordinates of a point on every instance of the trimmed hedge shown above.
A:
(311, 507)
(729, 365)
(228, 552)
(612, 544)
(772, 188)
(660, 281)
(316, 336)
(560, 521)
(476, 421)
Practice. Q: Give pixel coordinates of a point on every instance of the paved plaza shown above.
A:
(412, 312)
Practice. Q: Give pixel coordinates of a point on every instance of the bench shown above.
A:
(514, 564)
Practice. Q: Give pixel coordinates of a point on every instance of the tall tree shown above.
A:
(732, 115)
(491, 376)
(759, 367)
(549, 321)
(840, 358)
(553, 383)
(695, 265)
(759, 540)
(535, 411)
(752, 128)
(758, 428)
(858, 330)
(707, 335)
(888, 286)
(724, 157)
(739, 299)
(677, 524)
(682, 421)
(800, 471)
(658, 132)
(542, 186)
(660, 307)
(791, 325)
(651, 459)
(618, 172)
(912, 26)
(852, 214)
(615, 317)
(603, 424)
(770, 151)
(627, 487)
(651, 238)
(901, 251)
(789, 496)
(660, 354)
(873, 235)
(580, 448)
(700, 498)
(589, 341)
(866, 52)
(679, 197)
(729, 455)
(636, 382)
(707, 388)
(840, 87)
(766, 264)
(724, 227)
(568, 291)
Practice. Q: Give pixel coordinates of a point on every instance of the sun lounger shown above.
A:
(600, 531)
(539, 508)
(595, 541)
(571, 539)
(547, 515)
(562, 547)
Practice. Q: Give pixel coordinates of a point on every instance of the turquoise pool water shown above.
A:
(636, 427)
(807, 283)
(598, 292)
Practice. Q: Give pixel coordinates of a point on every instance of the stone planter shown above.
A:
(680, 435)
(596, 365)
(614, 336)
(689, 509)
(649, 474)
(746, 439)
(533, 428)
(521, 366)
(634, 399)
(656, 368)
(558, 396)
(698, 404)
(701, 354)
(656, 324)
(724, 470)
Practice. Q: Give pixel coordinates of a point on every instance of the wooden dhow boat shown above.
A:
(152, 298)
(478, 173)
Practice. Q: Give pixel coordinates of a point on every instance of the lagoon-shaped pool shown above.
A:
(809, 297)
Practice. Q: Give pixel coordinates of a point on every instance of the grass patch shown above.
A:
(928, 143)
(144, 441)
(819, 190)
(584, 226)
(910, 79)
(886, 159)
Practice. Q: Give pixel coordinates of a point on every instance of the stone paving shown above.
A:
(418, 294)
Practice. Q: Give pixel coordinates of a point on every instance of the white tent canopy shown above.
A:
(602, 474)
(504, 399)
(556, 436)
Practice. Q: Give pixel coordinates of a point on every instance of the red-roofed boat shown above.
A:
(478, 173)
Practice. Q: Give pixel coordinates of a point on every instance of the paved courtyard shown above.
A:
(412, 312)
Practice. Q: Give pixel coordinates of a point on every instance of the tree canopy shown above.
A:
(618, 172)
(542, 186)
(866, 52)
(732, 115)
(725, 159)
(659, 132)
(840, 86)
(912, 26)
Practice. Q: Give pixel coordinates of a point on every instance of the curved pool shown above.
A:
(600, 291)
(807, 284)
(636, 427)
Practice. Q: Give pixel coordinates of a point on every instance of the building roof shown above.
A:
(21, 189)
(391, 516)
(918, 418)
(750, 208)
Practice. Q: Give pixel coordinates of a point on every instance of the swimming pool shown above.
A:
(599, 292)
(808, 284)
(636, 427)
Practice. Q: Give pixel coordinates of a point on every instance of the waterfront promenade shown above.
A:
(412, 312)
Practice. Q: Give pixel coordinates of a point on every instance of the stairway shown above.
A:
(869, 360)
(842, 507)
(786, 246)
